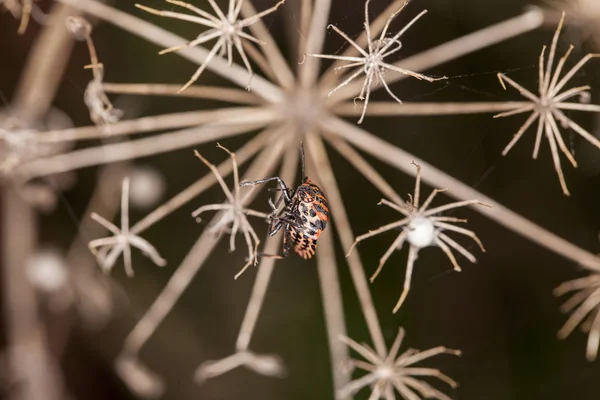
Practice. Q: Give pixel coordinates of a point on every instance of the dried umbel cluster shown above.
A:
(551, 106)
(422, 227)
(289, 103)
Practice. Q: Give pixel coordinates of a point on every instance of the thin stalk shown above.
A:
(333, 308)
(304, 25)
(166, 39)
(148, 124)
(358, 162)
(259, 59)
(41, 77)
(265, 268)
(454, 49)
(315, 38)
(133, 149)
(31, 363)
(393, 109)
(402, 160)
(326, 177)
(235, 96)
(279, 65)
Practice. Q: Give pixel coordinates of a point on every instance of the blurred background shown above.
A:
(500, 312)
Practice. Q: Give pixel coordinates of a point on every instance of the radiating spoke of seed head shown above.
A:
(584, 305)
(227, 28)
(107, 250)
(371, 61)
(422, 227)
(233, 217)
(392, 371)
(547, 104)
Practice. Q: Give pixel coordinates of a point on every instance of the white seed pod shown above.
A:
(421, 232)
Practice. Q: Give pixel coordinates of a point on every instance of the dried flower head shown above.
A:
(108, 249)
(421, 227)
(548, 107)
(229, 30)
(585, 306)
(393, 371)
(234, 214)
(372, 62)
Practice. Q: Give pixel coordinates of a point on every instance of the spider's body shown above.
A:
(303, 217)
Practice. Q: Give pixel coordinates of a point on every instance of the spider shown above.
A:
(303, 217)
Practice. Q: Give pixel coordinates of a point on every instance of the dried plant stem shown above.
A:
(454, 49)
(242, 155)
(279, 66)
(105, 200)
(30, 362)
(265, 268)
(326, 177)
(132, 149)
(315, 37)
(40, 79)
(333, 309)
(305, 11)
(149, 124)
(394, 109)
(235, 96)
(402, 160)
(354, 158)
(166, 39)
(259, 59)
(135, 375)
